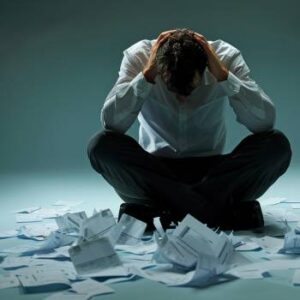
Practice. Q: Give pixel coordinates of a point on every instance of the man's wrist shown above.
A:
(149, 76)
(223, 75)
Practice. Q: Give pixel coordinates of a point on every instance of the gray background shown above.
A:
(59, 59)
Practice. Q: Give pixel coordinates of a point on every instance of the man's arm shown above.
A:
(252, 106)
(136, 79)
(126, 98)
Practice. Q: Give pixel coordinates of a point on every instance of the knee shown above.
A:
(277, 148)
(102, 145)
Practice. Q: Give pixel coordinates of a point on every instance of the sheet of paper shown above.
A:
(250, 274)
(36, 231)
(12, 262)
(295, 205)
(39, 266)
(71, 221)
(40, 282)
(94, 256)
(269, 244)
(28, 218)
(192, 240)
(132, 230)
(28, 210)
(4, 234)
(90, 288)
(248, 246)
(9, 281)
(140, 249)
(58, 253)
(291, 243)
(97, 225)
(271, 200)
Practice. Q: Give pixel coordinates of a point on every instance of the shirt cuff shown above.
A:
(140, 85)
(231, 85)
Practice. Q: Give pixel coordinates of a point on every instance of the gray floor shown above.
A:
(24, 190)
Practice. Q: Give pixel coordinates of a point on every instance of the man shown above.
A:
(177, 86)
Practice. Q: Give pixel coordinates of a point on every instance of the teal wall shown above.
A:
(59, 59)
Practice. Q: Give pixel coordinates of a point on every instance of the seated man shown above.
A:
(177, 86)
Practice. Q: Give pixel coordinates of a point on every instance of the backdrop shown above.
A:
(60, 58)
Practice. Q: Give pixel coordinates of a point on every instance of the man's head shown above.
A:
(181, 62)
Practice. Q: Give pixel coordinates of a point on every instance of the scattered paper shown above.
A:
(71, 221)
(91, 288)
(28, 210)
(8, 234)
(9, 281)
(42, 282)
(94, 256)
(131, 230)
(291, 243)
(272, 200)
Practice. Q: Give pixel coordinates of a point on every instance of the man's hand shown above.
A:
(150, 70)
(215, 66)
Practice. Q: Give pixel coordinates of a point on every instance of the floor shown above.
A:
(42, 189)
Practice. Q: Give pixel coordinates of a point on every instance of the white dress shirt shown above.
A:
(170, 128)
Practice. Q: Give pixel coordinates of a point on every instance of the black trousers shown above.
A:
(205, 187)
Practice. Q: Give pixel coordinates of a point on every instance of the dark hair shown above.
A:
(177, 60)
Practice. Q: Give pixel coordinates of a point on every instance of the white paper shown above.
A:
(28, 218)
(28, 210)
(248, 246)
(90, 288)
(97, 225)
(94, 256)
(269, 244)
(15, 262)
(36, 231)
(41, 281)
(272, 200)
(140, 248)
(44, 266)
(291, 243)
(250, 274)
(191, 241)
(131, 230)
(8, 233)
(9, 281)
(58, 253)
(295, 205)
(71, 221)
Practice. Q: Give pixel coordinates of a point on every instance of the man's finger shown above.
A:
(165, 33)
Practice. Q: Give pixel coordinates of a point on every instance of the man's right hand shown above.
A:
(150, 70)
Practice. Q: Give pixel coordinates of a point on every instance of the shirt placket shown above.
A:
(181, 137)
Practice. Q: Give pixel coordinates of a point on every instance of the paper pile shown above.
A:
(77, 247)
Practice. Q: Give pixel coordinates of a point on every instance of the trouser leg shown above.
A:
(249, 170)
(136, 174)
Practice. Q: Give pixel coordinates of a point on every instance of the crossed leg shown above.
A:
(213, 185)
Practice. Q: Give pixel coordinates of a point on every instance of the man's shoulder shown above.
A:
(141, 47)
(224, 48)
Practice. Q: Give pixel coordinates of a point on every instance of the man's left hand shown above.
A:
(215, 66)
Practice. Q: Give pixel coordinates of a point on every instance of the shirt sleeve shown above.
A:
(126, 98)
(252, 106)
